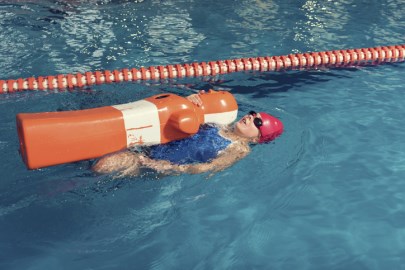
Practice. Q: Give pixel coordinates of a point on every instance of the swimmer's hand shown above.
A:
(196, 99)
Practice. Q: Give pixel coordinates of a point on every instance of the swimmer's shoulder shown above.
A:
(236, 143)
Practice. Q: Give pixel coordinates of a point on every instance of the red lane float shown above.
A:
(311, 60)
(52, 138)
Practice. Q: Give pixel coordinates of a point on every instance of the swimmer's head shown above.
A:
(260, 126)
(271, 127)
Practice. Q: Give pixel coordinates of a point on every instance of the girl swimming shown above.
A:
(213, 148)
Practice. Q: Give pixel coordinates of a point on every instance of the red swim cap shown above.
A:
(271, 128)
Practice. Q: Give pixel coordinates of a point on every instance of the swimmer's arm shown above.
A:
(228, 157)
(223, 161)
(161, 166)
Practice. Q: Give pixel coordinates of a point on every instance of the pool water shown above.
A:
(328, 194)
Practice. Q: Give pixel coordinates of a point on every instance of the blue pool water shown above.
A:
(328, 194)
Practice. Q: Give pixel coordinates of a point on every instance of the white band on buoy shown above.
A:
(221, 118)
(142, 125)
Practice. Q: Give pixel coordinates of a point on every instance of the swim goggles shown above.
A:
(256, 120)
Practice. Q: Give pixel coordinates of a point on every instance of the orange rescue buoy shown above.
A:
(51, 138)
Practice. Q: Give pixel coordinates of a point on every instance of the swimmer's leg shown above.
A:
(125, 163)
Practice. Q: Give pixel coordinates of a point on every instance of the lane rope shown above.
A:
(310, 60)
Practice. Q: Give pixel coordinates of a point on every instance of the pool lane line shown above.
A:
(309, 60)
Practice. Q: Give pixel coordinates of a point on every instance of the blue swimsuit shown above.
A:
(201, 147)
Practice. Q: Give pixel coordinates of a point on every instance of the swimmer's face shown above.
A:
(246, 127)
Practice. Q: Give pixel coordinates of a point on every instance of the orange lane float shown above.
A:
(312, 60)
(51, 138)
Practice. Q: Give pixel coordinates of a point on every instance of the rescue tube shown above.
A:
(52, 138)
